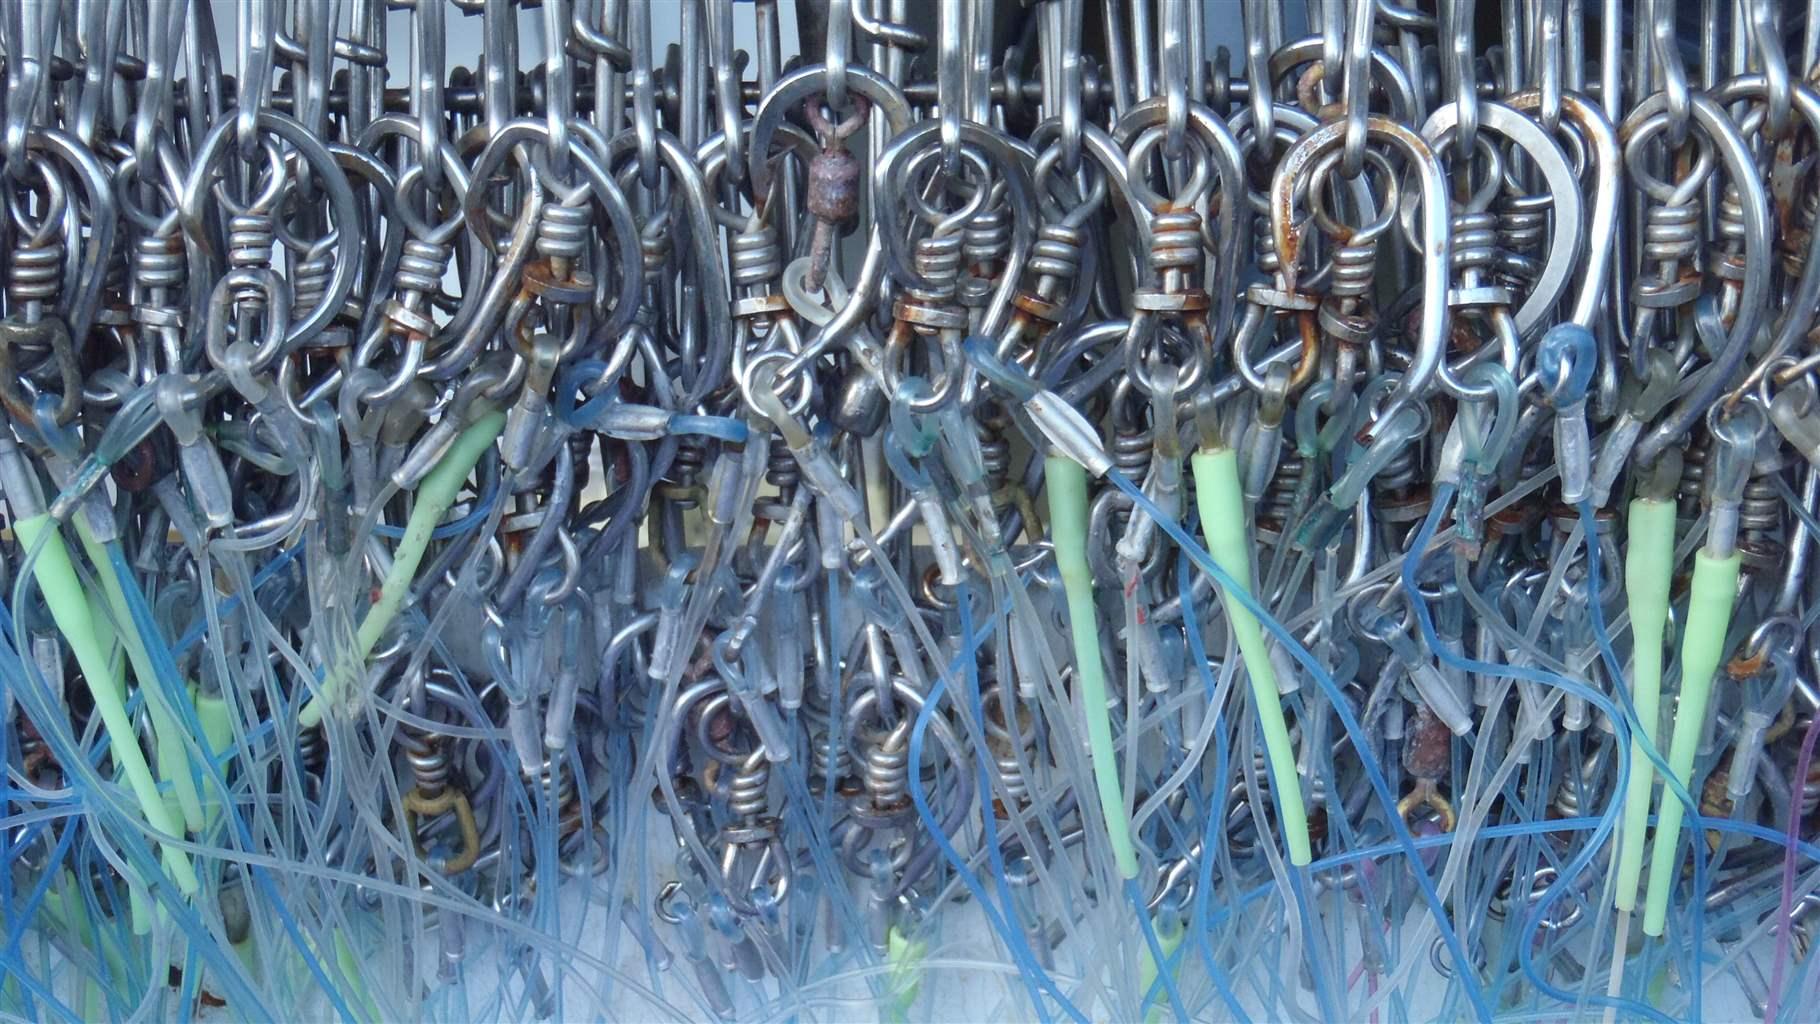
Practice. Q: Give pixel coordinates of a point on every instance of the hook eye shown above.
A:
(1637, 134)
(1386, 207)
(1188, 195)
(1143, 367)
(1047, 181)
(1370, 613)
(749, 381)
(1740, 426)
(1425, 795)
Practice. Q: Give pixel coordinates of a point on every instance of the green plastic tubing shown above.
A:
(351, 969)
(173, 760)
(904, 982)
(1168, 939)
(1648, 568)
(1066, 481)
(1222, 508)
(1709, 612)
(68, 602)
(434, 496)
(218, 734)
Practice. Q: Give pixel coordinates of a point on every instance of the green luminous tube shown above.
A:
(904, 983)
(1709, 612)
(70, 915)
(218, 733)
(434, 496)
(173, 760)
(352, 969)
(1169, 936)
(1067, 486)
(1648, 569)
(64, 594)
(1222, 508)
